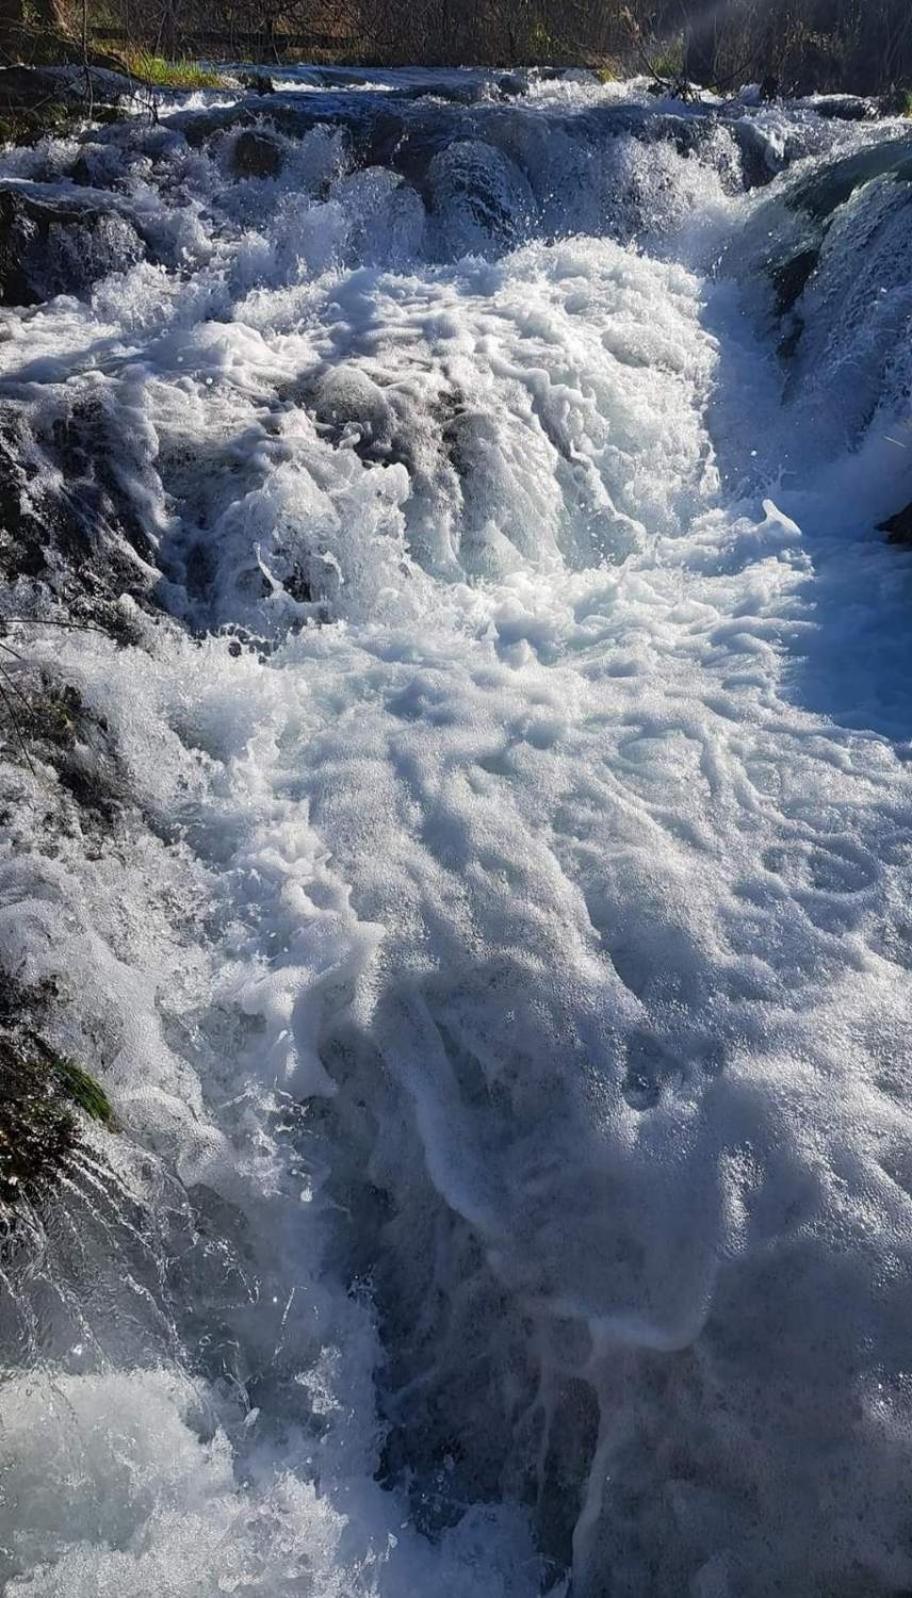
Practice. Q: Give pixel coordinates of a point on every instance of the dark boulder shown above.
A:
(37, 101)
(899, 527)
(20, 86)
(756, 166)
(791, 277)
(510, 86)
(258, 83)
(60, 246)
(895, 103)
(68, 527)
(821, 193)
(256, 155)
(844, 108)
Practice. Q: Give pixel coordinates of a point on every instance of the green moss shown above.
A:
(64, 1079)
(163, 74)
(37, 1129)
(42, 1095)
(82, 1090)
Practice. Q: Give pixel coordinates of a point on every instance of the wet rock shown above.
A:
(844, 108)
(756, 168)
(81, 173)
(822, 192)
(258, 83)
(68, 530)
(256, 155)
(60, 246)
(895, 103)
(791, 277)
(42, 1094)
(899, 527)
(22, 551)
(55, 725)
(21, 85)
(35, 101)
(37, 1129)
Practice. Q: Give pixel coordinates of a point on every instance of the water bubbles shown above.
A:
(497, 957)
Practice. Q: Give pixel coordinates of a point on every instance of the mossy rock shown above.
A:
(40, 1090)
(37, 1128)
(50, 723)
(53, 715)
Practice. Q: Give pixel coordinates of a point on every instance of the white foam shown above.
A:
(510, 962)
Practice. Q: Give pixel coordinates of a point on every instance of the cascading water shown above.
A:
(481, 874)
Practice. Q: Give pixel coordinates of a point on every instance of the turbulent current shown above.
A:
(482, 878)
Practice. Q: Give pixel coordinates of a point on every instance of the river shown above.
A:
(489, 915)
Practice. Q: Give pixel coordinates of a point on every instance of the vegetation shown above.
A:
(666, 63)
(805, 45)
(43, 1094)
(26, 124)
(798, 45)
(163, 74)
(81, 1089)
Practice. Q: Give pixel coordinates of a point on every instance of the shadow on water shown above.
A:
(855, 667)
(797, 418)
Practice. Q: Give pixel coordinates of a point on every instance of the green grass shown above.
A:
(180, 75)
(668, 63)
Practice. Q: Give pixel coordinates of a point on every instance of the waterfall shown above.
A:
(457, 803)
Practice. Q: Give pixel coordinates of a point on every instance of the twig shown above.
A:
(20, 738)
(680, 89)
(42, 621)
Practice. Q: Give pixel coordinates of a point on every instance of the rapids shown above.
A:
(495, 940)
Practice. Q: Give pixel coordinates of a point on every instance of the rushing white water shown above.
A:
(500, 960)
